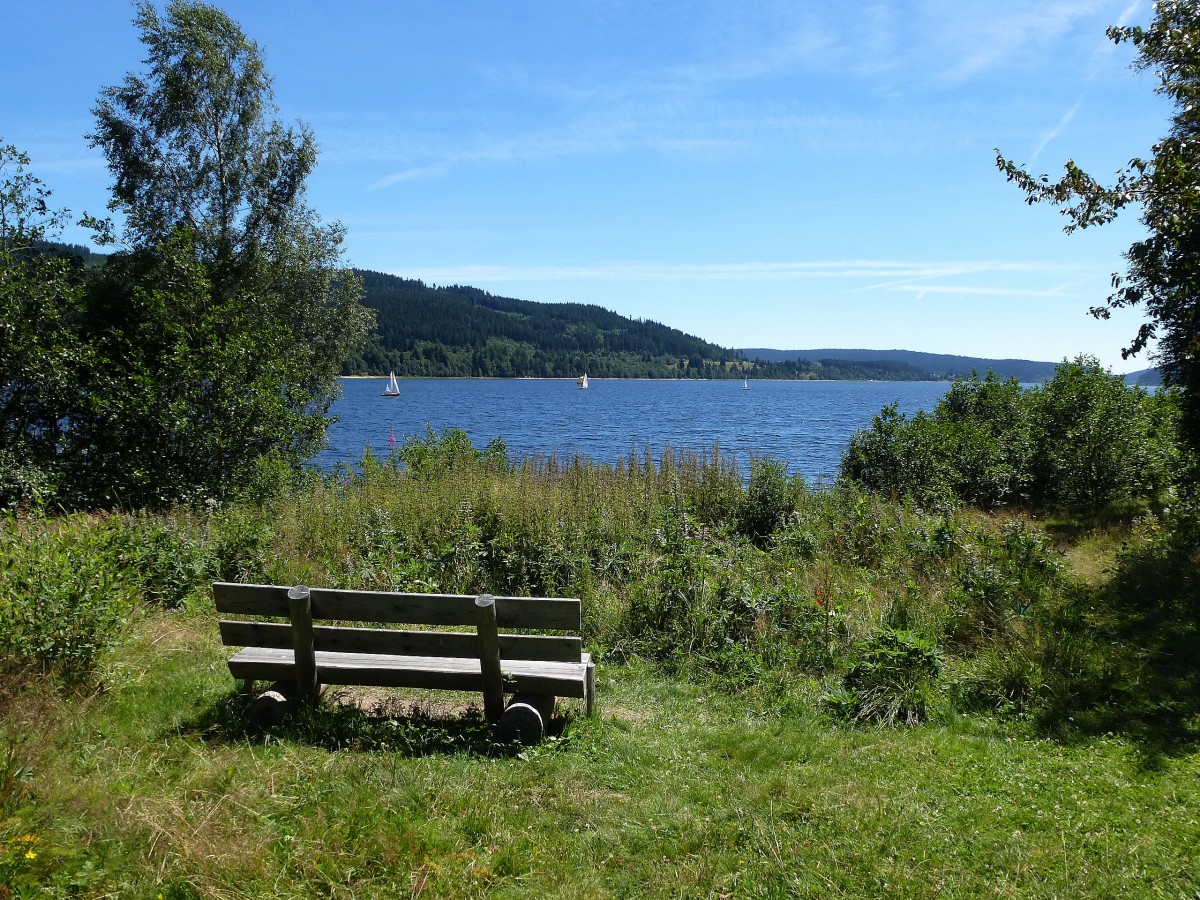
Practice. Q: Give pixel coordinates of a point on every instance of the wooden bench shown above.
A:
(483, 660)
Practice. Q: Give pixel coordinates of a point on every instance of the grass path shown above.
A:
(155, 788)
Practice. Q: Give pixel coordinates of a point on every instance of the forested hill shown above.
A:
(939, 365)
(942, 365)
(459, 330)
(464, 331)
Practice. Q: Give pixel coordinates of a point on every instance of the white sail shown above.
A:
(393, 387)
(582, 382)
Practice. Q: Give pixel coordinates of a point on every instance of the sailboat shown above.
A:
(745, 384)
(582, 382)
(393, 387)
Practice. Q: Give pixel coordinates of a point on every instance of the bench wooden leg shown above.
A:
(489, 658)
(300, 612)
(590, 691)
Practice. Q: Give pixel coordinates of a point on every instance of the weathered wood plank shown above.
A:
(547, 613)
(251, 599)
(402, 643)
(446, 673)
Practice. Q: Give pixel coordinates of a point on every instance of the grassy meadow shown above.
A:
(800, 693)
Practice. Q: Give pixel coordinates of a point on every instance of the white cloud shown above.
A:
(749, 271)
(1057, 129)
(922, 290)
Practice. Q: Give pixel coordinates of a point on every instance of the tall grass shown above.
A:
(740, 619)
(678, 559)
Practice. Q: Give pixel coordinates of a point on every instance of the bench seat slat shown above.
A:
(446, 673)
(548, 613)
(402, 643)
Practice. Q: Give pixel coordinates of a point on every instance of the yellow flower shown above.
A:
(29, 854)
(28, 839)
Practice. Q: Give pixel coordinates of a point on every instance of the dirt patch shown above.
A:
(399, 703)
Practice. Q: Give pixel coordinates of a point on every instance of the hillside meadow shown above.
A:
(800, 693)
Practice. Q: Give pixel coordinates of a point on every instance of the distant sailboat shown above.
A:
(745, 384)
(582, 382)
(393, 387)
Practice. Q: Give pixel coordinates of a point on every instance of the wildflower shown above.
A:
(29, 854)
(28, 838)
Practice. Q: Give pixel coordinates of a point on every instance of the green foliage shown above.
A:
(1083, 440)
(687, 607)
(899, 456)
(170, 562)
(1153, 626)
(769, 500)
(892, 680)
(64, 596)
(201, 361)
(41, 355)
(216, 338)
(1162, 275)
(758, 586)
(431, 454)
(1098, 441)
(189, 144)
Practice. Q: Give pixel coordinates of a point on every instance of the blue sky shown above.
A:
(776, 174)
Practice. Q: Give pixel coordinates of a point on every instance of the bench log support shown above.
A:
(489, 657)
(300, 612)
(589, 689)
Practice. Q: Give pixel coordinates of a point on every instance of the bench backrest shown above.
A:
(385, 607)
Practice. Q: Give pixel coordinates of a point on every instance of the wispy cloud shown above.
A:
(1056, 130)
(975, 291)
(976, 37)
(1099, 61)
(747, 271)
(739, 83)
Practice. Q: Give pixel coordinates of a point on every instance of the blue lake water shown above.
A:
(807, 424)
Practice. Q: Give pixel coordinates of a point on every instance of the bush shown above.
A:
(64, 596)
(170, 565)
(891, 682)
(1099, 440)
(434, 452)
(1083, 440)
(769, 500)
(898, 456)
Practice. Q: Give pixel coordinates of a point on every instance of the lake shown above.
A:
(806, 424)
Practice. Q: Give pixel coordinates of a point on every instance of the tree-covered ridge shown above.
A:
(464, 331)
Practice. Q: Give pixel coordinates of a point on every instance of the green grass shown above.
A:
(156, 786)
(750, 635)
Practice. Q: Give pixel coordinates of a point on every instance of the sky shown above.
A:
(782, 173)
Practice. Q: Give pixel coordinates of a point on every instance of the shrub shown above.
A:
(892, 681)
(1082, 440)
(63, 594)
(769, 500)
(1099, 440)
(898, 456)
(424, 456)
(171, 565)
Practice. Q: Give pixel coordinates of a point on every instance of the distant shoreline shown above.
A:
(618, 378)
